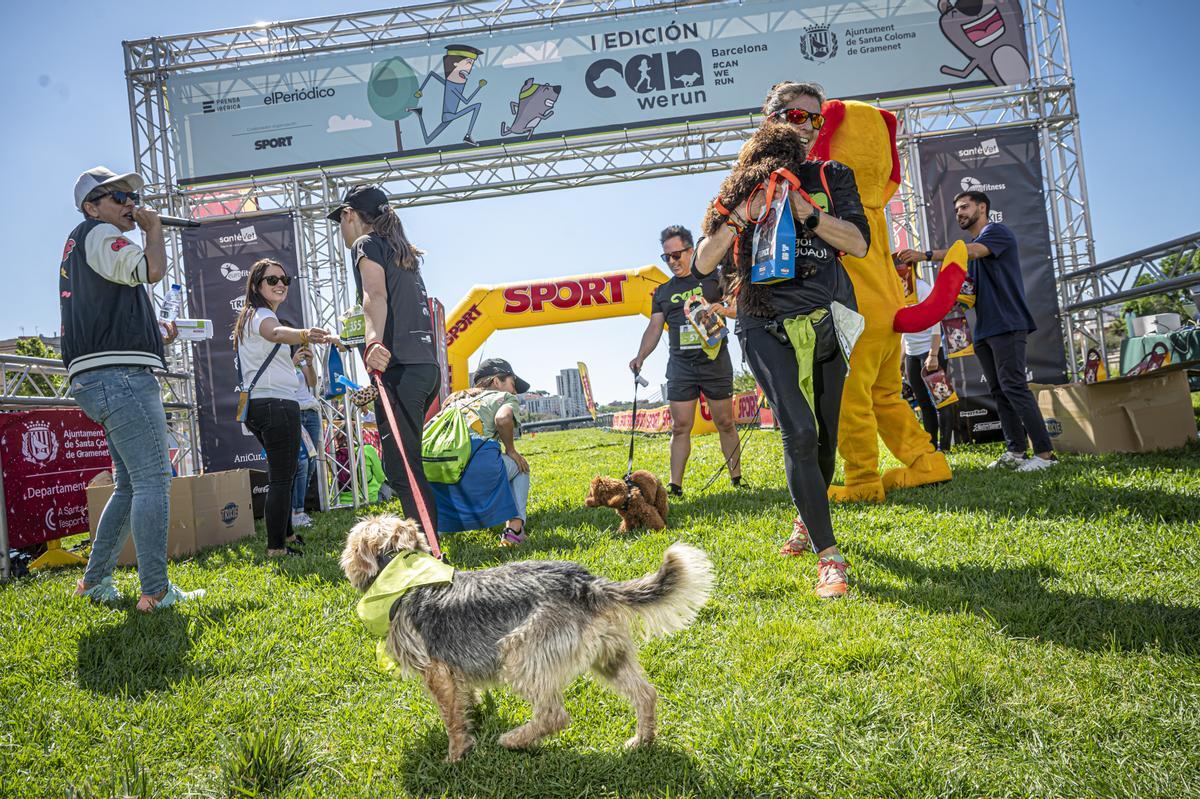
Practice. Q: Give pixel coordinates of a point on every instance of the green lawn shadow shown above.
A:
(553, 769)
(145, 653)
(1017, 601)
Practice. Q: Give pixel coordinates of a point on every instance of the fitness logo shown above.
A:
(279, 141)
(233, 273)
(237, 304)
(38, 443)
(974, 184)
(819, 43)
(229, 514)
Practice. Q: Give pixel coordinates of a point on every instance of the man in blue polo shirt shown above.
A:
(1002, 323)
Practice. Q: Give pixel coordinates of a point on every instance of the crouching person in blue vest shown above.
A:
(111, 343)
(492, 407)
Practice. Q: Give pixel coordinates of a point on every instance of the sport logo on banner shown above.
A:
(217, 257)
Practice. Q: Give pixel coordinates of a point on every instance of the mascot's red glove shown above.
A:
(931, 310)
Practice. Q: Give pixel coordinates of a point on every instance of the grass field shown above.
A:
(1006, 635)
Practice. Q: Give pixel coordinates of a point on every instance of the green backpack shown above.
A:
(446, 446)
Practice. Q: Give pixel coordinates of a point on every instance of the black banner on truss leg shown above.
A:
(217, 258)
(1006, 164)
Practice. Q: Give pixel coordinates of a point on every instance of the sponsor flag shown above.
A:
(587, 388)
(217, 257)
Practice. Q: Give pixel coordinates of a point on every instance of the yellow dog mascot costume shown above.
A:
(864, 138)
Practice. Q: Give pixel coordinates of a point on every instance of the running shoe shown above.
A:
(105, 592)
(831, 578)
(799, 543)
(173, 596)
(1036, 464)
(1009, 460)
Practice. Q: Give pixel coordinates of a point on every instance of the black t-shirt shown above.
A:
(829, 282)
(669, 299)
(408, 331)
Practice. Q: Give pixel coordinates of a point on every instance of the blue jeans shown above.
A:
(127, 402)
(310, 420)
(518, 481)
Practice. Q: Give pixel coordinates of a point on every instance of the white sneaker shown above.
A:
(1009, 460)
(1036, 464)
(301, 519)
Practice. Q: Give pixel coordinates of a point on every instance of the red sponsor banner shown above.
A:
(48, 458)
(658, 420)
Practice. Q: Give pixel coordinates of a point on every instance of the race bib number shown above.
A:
(689, 339)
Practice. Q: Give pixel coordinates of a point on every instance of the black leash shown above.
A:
(629, 484)
(737, 452)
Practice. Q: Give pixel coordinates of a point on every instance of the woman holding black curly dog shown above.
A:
(399, 331)
(787, 327)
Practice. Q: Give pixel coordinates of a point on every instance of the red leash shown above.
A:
(422, 510)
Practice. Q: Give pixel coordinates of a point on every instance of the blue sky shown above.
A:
(67, 109)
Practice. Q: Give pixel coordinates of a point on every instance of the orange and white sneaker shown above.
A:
(831, 578)
(799, 543)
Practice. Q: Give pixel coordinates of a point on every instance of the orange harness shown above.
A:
(772, 185)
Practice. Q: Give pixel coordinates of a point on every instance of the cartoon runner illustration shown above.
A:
(456, 66)
(991, 34)
(534, 103)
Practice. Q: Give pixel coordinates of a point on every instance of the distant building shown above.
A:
(8, 346)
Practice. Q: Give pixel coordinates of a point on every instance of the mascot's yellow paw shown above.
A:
(860, 492)
(926, 470)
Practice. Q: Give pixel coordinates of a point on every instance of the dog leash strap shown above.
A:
(632, 428)
(422, 510)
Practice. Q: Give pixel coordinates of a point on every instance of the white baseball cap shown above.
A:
(99, 176)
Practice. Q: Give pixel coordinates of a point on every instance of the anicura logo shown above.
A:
(229, 514)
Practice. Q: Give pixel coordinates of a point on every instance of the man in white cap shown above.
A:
(110, 343)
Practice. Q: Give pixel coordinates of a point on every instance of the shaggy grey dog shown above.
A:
(533, 625)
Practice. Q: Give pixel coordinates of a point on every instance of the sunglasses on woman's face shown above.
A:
(798, 116)
(275, 280)
(674, 256)
(122, 197)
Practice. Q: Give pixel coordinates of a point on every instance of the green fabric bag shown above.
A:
(446, 446)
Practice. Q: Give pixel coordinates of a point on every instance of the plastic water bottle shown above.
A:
(173, 304)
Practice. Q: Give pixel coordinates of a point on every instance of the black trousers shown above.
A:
(412, 388)
(276, 425)
(938, 422)
(1003, 360)
(808, 452)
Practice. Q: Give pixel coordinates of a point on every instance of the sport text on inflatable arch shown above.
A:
(532, 303)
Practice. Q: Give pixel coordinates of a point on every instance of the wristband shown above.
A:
(929, 255)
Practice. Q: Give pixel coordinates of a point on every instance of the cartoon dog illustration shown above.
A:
(534, 103)
(991, 33)
(687, 80)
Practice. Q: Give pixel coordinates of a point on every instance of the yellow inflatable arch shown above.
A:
(580, 298)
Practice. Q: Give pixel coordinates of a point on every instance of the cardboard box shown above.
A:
(206, 510)
(194, 329)
(1127, 414)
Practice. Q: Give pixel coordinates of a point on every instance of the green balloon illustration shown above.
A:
(391, 91)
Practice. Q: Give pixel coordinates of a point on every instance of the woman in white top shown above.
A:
(923, 353)
(274, 415)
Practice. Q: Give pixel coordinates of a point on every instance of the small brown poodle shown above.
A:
(641, 503)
